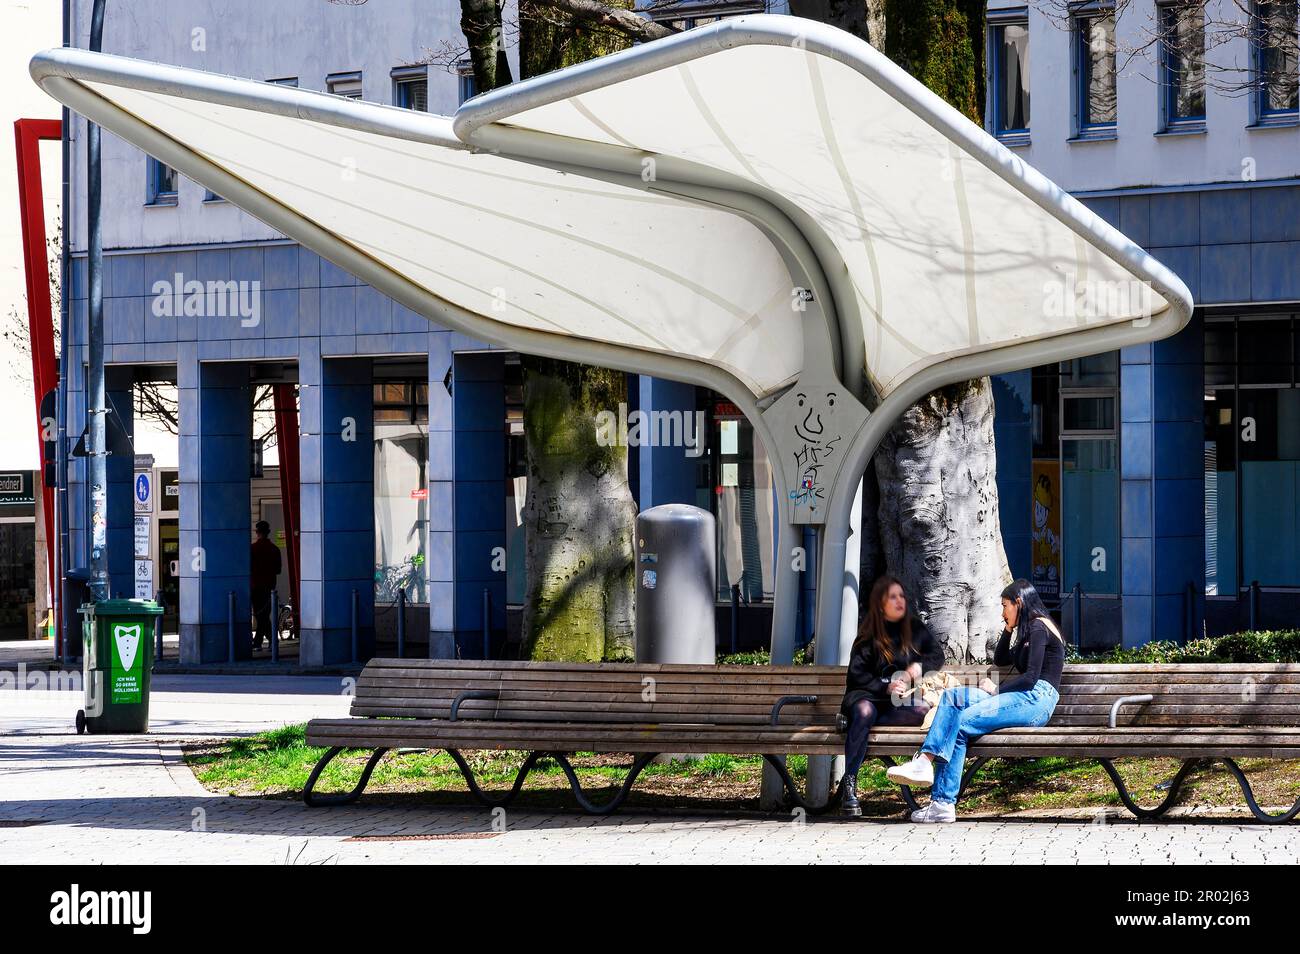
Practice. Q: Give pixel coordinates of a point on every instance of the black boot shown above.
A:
(849, 798)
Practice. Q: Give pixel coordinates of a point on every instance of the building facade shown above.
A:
(1162, 481)
(1146, 487)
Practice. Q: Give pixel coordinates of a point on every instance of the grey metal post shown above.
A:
(158, 629)
(1254, 606)
(1191, 613)
(487, 624)
(275, 625)
(230, 626)
(1078, 616)
(735, 616)
(354, 625)
(96, 411)
(401, 624)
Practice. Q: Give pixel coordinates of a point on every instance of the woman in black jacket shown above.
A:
(1032, 645)
(892, 651)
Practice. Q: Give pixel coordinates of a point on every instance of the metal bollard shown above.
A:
(275, 626)
(401, 624)
(735, 617)
(1078, 617)
(1254, 606)
(158, 631)
(230, 627)
(354, 625)
(487, 624)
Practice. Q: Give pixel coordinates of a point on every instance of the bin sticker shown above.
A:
(649, 578)
(126, 675)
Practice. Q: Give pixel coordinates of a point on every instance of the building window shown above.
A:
(1075, 492)
(401, 419)
(347, 85)
(1252, 452)
(1095, 105)
(1182, 67)
(284, 81)
(160, 183)
(1276, 69)
(1009, 79)
(411, 88)
(466, 87)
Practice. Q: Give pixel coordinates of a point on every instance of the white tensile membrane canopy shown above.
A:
(765, 206)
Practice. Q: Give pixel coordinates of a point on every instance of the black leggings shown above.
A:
(863, 716)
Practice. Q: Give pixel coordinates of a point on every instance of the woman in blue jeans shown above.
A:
(966, 713)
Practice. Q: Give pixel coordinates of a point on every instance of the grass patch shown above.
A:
(276, 765)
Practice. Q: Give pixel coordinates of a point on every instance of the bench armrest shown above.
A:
(1126, 700)
(790, 700)
(471, 694)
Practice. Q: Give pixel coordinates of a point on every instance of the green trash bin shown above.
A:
(117, 656)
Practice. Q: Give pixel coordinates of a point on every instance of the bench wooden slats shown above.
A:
(1199, 711)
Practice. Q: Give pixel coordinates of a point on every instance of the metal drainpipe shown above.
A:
(96, 411)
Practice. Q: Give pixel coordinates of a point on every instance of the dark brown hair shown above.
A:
(873, 624)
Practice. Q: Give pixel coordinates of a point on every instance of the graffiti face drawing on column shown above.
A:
(813, 425)
(815, 444)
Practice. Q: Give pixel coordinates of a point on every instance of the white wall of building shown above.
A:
(255, 39)
(1227, 151)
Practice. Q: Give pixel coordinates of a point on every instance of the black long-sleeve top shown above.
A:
(1036, 655)
(869, 672)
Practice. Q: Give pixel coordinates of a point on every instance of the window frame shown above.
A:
(1088, 131)
(1170, 124)
(345, 79)
(997, 22)
(404, 77)
(1263, 115)
(155, 196)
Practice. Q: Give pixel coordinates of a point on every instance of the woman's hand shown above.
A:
(988, 686)
(899, 683)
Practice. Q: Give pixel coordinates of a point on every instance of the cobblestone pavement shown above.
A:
(97, 799)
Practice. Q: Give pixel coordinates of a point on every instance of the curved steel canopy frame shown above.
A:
(833, 331)
(484, 121)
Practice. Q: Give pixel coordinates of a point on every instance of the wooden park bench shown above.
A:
(1191, 712)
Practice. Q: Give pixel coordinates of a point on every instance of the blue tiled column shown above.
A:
(479, 410)
(121, 481)
(441, 548)
(337, 501)
(1136, 445)
(667, 474)
(1013, 440)
(216, 434)
(1178, 487)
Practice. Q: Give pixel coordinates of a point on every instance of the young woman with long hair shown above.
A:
(966, 713)
(893, 649)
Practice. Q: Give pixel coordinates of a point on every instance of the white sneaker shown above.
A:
(918, 773)
(936, 813)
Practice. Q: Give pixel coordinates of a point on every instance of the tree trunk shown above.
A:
(579, 517)
(939, 515)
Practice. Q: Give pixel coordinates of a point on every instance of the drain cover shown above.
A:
(454, 836)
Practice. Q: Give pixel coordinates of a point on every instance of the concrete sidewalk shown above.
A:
(117, 799)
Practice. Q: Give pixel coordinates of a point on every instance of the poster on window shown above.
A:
(1046, 523)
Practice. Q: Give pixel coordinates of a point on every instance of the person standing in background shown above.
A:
(264, 567)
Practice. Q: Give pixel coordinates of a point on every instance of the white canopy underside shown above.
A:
(944, 255)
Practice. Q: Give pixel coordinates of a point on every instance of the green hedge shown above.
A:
(1269, 646)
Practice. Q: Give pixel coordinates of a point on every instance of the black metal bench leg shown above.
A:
(338, 798)
(624, 790)
(792, 790)
(1258, 812)
(975, 765)
(1175, 785)
(494, 801)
